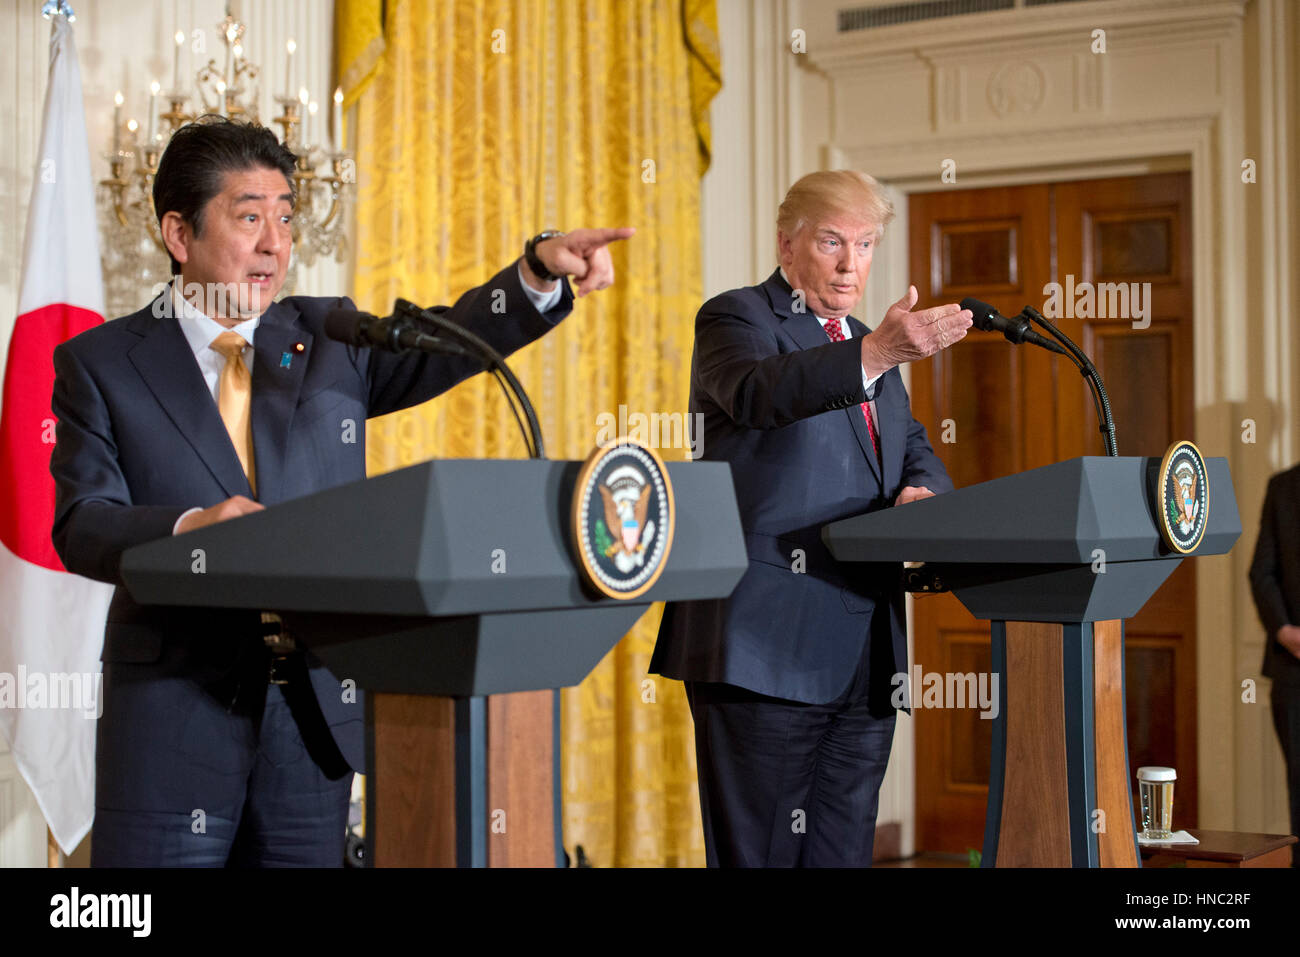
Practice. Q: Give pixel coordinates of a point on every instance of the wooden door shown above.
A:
(992, 409)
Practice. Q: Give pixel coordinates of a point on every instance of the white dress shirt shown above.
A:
(201, 331)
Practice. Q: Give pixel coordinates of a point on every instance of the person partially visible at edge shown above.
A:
(1275, 586)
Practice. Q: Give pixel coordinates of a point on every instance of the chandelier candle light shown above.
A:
(134, 253)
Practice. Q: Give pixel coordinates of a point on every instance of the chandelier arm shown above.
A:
(151, 226)
(334, 210)
(118, 211)
(323, 224)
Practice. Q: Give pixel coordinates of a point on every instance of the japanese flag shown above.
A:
(52, 622)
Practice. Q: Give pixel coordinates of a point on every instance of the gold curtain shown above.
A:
(358, 44)
(478, 124)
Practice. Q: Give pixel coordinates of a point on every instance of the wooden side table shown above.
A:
(1223, 849)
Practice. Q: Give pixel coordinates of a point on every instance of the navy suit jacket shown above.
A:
(140, 441)
(781, 404)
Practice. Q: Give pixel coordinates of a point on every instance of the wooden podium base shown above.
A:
(463, 782)
(1059, 793)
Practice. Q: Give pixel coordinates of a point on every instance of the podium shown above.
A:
(433, 588)
(1056, 558)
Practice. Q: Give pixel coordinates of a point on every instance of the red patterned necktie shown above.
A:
(836, 334)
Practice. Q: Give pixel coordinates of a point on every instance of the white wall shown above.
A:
(123, 45)
(749, 171)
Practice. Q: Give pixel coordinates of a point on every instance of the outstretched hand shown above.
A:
(906, 336)
(582, 254)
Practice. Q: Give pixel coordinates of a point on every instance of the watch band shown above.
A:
(534, 261)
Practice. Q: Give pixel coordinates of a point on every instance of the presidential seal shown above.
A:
(622, 519)
(1184, 497)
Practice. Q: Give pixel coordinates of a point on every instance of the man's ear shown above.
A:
(783, 247)
(175, 235)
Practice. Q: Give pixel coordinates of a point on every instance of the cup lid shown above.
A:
(1157, 774)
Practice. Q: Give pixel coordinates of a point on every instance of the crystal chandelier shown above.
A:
(135, 260)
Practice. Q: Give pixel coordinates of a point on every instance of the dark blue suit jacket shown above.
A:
(140, 441)
(781, 404)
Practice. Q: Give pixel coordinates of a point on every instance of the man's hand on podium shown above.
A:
(230, 508)
(912, 493)
(581, 254)
(1288, 636)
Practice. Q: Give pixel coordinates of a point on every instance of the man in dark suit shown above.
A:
(1275, 583)
(789, 679)
(222, 742)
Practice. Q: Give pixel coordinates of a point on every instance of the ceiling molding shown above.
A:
(975, 35)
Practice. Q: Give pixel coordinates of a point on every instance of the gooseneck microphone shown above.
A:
(1015, 330)
(435, 319)
(394, 333)
(409, 328)
(1105, 421)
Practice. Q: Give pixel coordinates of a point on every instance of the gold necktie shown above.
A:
(235, 399)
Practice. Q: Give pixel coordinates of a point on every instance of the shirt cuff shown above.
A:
(869, 385)
(190, 511)
(541, 301)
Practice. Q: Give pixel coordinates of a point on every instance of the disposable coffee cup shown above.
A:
(1156, 792)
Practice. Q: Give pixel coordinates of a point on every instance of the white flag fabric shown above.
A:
(51, 622)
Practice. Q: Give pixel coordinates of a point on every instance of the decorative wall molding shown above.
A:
(1154, 21)
(1090, 84)
(1017, 87)
(1046, 145)
(950, 85)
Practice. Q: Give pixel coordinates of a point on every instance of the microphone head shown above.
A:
(981, 313)
(344, 325)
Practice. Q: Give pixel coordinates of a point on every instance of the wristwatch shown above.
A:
(534, 261)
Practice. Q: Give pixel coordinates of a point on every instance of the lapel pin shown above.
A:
(286, 358)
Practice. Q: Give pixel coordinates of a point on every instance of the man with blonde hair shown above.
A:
(789, 678)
